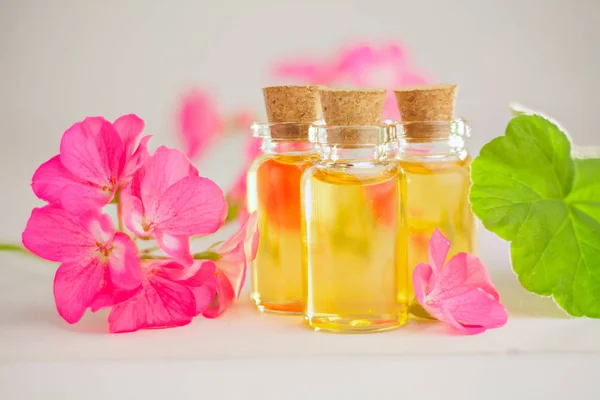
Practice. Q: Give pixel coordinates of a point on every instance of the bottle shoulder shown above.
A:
(363, 173)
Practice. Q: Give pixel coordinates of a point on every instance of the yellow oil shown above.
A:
(274, 192)
(354, 252)
(437, 197)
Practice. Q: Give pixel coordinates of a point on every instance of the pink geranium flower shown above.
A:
(459, 293)
(88, 247)
(199, 122)
(96, 158)
(234, 256)
(167, 200)
(170, 295)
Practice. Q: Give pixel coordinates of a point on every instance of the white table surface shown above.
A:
(540, 353)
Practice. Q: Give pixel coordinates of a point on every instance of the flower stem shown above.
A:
(12, 247)
(119, 210)
(15, 248)
(207, 255)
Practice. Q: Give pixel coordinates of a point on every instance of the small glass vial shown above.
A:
(274, 192)
(432, 154)
(354, 252)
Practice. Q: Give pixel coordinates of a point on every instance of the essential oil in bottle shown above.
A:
(274, 192)
(354, 246)
(431, 151)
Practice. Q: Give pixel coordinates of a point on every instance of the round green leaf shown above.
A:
(530, 191)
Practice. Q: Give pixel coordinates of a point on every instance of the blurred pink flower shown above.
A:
(361, 65)
(167, 200)
(170, 295)
(96, 158)
(200, 122)
(235, 255)
(459, 293)
(252, 150)
(90, 252)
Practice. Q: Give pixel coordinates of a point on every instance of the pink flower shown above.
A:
(460, 293)
(387, 66)
(235, 255)
(170, 295)
(361, 65)
(96, 158)
(167, 200)
(88, 248)
(199, 122)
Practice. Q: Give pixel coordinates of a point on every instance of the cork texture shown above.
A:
(418, 104)
(352, 107)
(292, 104)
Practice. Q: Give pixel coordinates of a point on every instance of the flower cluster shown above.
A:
(361, 65)
(158, 197)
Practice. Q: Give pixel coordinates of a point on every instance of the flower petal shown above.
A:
(199, 122)
(200, 277)
(92, 150)
(205, 294)
(162, 170)
(438, 250)
(177, 247)
(109, 295)
(223, 298)
(124, 263)
(160, 304)
(56, 235)
(130, 129)
(421, 278)
(192, 206)
(242, 245)
(50, 178)
(133, 214)
(235, 273)
(99, 225)
(81, 198)
(137, 158)
(75, 287)
(462, 273)
(474, 311)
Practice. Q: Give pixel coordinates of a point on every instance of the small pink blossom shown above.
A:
(459, 293)
(235, 255)
(167, 200)
(90, 252)
(170, 295)
(199, 122)
(96, 158)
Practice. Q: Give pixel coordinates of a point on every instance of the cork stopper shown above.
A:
(293, 107)
(353, 108)
(421, 105)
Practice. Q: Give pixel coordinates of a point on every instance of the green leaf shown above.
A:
(529, 190)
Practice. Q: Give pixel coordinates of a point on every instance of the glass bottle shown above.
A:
(274, 192)
(354, 252)
(437, 189)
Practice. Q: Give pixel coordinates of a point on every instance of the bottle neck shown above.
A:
(432, 140)
(450, 148)
(354, 153)
(287, 147)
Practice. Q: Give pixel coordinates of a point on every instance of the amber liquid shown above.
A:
(274, 192)
(354, 251)
(437, 197)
